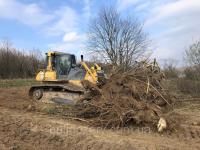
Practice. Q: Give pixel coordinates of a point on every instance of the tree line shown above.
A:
(14, 63)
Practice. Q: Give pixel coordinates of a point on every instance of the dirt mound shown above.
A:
(132, 98)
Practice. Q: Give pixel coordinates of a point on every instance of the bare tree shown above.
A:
(193, 54)
(121, 41)
(193, 57)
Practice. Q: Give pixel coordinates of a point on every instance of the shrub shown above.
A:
(171, 72)
(191, 73)
(188, 86)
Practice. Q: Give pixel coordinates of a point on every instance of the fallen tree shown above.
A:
(135, 97)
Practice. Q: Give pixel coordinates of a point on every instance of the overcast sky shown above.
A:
(62, 24)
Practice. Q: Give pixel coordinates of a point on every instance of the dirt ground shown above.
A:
(22, 127)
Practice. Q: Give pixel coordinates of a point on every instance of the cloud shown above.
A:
(72, 37)
(66, 21)
(30, 14)
(86, 9)
(73, 48)
(143, 6)
(64, 26)
(74, 44)
(124, 4)
(70, 26)
(173, 26)
(178, 10)
(52, 22)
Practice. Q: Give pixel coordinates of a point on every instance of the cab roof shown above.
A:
(57, 53)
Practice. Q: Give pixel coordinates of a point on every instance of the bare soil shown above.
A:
(23, 125)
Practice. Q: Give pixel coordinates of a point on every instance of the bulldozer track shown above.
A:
(57, 93)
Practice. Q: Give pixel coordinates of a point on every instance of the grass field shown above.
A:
(17, 83)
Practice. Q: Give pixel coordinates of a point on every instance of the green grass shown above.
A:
(17, 83)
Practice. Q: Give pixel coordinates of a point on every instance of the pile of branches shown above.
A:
(135, 97)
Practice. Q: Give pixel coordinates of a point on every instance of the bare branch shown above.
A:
(121, 40)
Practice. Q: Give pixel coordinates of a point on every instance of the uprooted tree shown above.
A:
(121, 41)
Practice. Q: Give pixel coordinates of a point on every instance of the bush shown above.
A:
(191, 73)
(188, 86)
(171, 72)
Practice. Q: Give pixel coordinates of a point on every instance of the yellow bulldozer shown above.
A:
(63, 74)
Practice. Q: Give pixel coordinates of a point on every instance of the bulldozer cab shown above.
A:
(61, 63)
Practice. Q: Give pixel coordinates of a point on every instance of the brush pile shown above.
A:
(135, 97)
